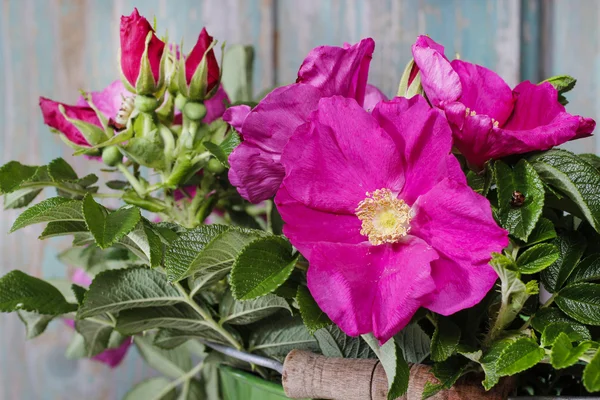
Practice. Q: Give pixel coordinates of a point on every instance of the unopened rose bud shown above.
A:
(215, 166)
(111, 156)
(146, 103)
(199, 74)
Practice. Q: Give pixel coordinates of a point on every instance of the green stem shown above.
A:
(78, 192)
(137, 186)
(207, 317)
(182, 379)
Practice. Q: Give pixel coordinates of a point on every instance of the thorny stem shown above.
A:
(207, 317)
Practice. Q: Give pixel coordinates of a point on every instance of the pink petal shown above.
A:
(305, 225)
(373, 96)
(54, 119)
(370, 289)
(424, 141)
(114, 357)
(484, 91)
(338, 70)
(216, 106)
(440, 82)
(458, 224)
(235, 116)
(339, 157)
(109, 100)
(81, 278)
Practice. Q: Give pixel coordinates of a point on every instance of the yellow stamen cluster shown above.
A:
(385, 218)
(472, 113)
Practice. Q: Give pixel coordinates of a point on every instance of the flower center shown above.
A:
(385, 218)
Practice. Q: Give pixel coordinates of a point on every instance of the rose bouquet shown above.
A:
(438, 228)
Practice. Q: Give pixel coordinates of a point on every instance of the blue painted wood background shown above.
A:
(55, 47)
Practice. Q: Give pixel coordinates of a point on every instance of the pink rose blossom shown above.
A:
(488, 119)
(256, 170)
(381, 210)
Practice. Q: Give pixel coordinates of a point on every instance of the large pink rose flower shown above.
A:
(107, 101)
(381, 210)
(256, 170)
(489, 120)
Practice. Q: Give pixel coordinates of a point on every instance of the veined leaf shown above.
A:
(60, 170)
(122, 289)
(445, 339)
(562, 83)
(545, 317)
(553, 330)
(145, 243)
(314, 318)
(172, 363)
(261, 267)
(333, 342)
(392, 360)
(571, 246)
(108, 227)
(20, 198)
(13, 174)
(518, 356)
(564, 354)
(277, 337)
(95, 335)
(588, 270)
(179, 316)
(581, 302)
(544, 230)
(414, 342)
(236, 312)
(53, 209)
(35, 324)
(171, 338)
(19, 291)
(537, 258)
(447, 372)
(591, 374)
(62, 228)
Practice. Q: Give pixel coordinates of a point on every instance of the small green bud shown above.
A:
(146, 103)
(111, 156)
(180, 101)
(194, 111)
(215, 166)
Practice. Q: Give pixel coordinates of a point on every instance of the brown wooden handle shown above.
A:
(308, 375)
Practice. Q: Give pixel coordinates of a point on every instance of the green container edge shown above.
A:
(240, 385)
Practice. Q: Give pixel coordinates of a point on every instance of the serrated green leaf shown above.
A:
(480, 182)
(19, 291)
(447, 372)
(591, 158)
(179, 316)
(489, 363)
(575, 178)
(277, 337)
(571, 246)
(79, 293)
(53, 209)
(581, 301)
(564, 354)
(445, 339)
(216, 151)
(13, 174)
(544, 317)
(261, 267)
(414, 342)
(172, 363)
(63, 228)
(537, 258)
(236, 312)
(544, 230)
(314, 318)
(520, 355)
(60, 170)
(588, 270)
(591, 374)
(145, 243)
(20, 198)
(108, 227)
(123, 289)
(562, 83)
(519, 220)
(393, 362)
(171, 338)
(95, 335)
(333, 342)
(208, 251)
(150, 388)
(553, 330)
(35, 324)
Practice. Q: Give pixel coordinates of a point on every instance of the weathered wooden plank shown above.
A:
(484, 32)
(53, 48)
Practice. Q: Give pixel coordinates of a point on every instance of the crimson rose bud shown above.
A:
(141, 54)
(201, 69)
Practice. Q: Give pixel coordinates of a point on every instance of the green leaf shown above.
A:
(277, 337)
(108, 227)
(480, 182)
(95, 335)
(122, 289)
(207, 251)
(60, 170)
(562, 83)
(545, 317)
(575, 178)
(591, 158)
(236, 312)
(519, 356)
(13, 174)
(537, 258)
(261, 267)
(79, 293)
(149, 389)
(544, 230)
(447, 372)
(237, 78)
(414, 342)
(63, 228)
(553, 330)
(35, 324)
(571, 246)
(581, 302)
(223, 150)
(313, 317)
(333, 342)
(19, 291)
(145, 243)
(588, 270)
(489, 363)
(171, 338)
(172, 363)
(179, 316)
(393, 362)
(53, 209)
(20, 198)
(445, 339)
(519, 220)
(591, 374)
(564, 354)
